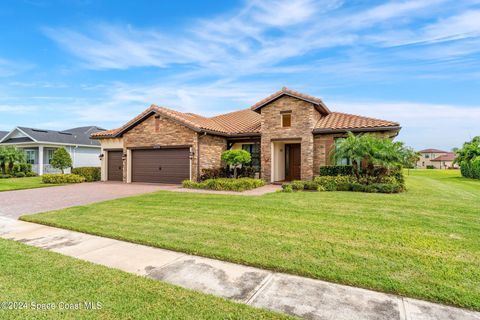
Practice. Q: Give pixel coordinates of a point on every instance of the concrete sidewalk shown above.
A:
(303, 297)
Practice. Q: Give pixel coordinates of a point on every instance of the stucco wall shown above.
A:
(114, 143)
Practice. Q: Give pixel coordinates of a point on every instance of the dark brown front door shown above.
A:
(170, 165)
(115, 166)
(292, 161)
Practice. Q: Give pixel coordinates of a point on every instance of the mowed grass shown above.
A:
(35, 276)
(424, 243)
(22, 183)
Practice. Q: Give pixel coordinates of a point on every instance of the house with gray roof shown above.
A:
(40, 144)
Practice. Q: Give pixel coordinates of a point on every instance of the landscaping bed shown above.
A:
(40, 278)
(225, 184)
(424, 243)
(341, 178)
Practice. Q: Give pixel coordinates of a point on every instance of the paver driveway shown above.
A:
(13, 204)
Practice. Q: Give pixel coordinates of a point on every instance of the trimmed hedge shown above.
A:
(336, 170)
(89, 173)
(225, 184)
(59, 178)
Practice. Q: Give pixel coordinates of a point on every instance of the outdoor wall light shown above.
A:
(101, 156)
(124, 156)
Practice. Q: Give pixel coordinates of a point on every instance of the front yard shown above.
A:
(22, 183)
(424, 243)
(43, 279)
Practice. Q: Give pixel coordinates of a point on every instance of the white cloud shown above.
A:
(257, 39)
(16, 109)
(10, 68)
(424, 125)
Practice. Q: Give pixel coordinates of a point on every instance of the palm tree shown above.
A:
(378, 155)
(352, 147)
(10, 155)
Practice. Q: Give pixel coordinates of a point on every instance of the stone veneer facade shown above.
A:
(304, 118)
(158, 131)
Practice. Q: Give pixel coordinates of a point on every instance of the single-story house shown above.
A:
(289, 135)
(427, 155)
(39, 145)
(445, 161)
(3, 134)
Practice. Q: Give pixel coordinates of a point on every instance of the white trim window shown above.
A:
(30, 156)
(49, 155)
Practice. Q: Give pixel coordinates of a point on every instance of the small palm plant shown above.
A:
(9, 155)
(372, 155)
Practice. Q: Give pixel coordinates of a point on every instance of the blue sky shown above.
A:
(71, 63)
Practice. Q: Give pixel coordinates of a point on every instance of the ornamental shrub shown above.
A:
(225, 184)
(61, 159)
(21, 167)
(236, 158)
(336, 170)
(287, 187)
(62, 178)
(331, 183)
(89, 173)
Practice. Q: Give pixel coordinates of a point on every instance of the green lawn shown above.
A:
(22, 183)
(31, 275)
(424, 243)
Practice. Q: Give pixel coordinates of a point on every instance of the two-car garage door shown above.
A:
(171, 165)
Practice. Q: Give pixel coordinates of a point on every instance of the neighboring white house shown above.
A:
(40, 144)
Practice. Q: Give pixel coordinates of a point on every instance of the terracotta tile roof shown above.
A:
(449, 156)
(248, 121)
(345, 121)
(243, 121)
(290, 92)
(432, 151)
(234, 122)
(104, 134)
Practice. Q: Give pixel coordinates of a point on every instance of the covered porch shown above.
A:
(39, 156)
(285, 160)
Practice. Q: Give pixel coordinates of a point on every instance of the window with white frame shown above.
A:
(50, 155)
(30, 156)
